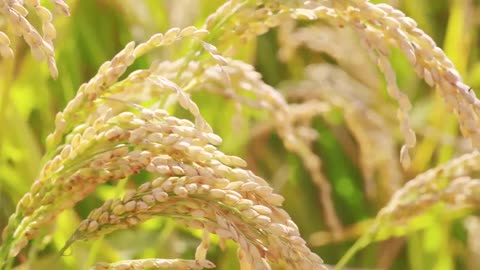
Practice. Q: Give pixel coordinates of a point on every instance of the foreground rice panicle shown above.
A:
(232, 203)
(96, 136)
(101, 137)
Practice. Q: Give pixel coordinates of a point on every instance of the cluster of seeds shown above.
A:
(241, 204)
(380, 25)
(93, 139)
(83, 104)
(246, 20)
(459, 193)
(429, 183)
(41, 45)
(113, 148)
(462, 192)
(241, 207)
(154, 264)
(449, 184)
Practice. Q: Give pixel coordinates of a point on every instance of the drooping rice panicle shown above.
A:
(236, 205)
(41, 44)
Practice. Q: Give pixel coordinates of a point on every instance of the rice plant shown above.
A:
(241, 134)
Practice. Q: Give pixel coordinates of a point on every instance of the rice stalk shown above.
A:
(451, 184)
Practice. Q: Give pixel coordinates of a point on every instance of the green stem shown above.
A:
(359, 244)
